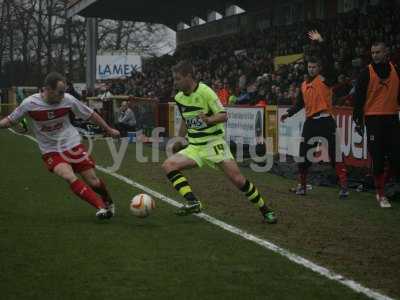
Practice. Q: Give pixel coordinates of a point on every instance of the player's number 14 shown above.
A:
(218, 148)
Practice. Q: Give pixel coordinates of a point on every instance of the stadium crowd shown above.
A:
(240, 68)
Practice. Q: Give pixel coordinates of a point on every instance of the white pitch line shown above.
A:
(355, 286)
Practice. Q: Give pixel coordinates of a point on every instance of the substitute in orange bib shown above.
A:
(377, 106)
(320, 126)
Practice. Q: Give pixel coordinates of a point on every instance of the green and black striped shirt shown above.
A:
(202, 100)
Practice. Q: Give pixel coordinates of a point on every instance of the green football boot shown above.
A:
(193, 207)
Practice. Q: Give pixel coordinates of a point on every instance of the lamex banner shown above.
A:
(245, 124)
(116, 66)
(353, 147)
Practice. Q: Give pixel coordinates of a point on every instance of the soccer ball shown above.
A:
(141, 205)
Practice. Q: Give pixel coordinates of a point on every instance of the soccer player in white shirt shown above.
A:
(60, 142)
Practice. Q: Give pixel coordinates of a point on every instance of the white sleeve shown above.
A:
(80, 110)
(19, 112)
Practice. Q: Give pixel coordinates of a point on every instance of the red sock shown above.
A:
(379, 181)
(341, 173)
(303, 178)
(101, 189)
(389, 174)
(83, 191)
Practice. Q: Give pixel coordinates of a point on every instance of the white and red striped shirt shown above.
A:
(51, 123)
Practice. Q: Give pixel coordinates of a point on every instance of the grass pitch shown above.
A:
(52, 246)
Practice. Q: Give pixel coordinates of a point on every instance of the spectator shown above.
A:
(126, 119)
(242, 57)
(223, 93)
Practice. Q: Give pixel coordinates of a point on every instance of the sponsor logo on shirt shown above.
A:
(49, 128)
(195, 123)
(51, 115)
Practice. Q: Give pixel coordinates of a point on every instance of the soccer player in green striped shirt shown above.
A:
(203, 117)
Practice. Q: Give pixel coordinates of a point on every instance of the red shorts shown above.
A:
(78, 158)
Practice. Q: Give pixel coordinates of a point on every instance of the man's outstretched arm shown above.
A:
(98, 120)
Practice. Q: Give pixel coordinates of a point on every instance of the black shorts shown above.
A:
(313, 129)
(383, 135)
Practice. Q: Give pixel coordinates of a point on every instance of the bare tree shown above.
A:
(39, 46)
(37, 36)
(10, 30)
(141, 38)
(3, 24)
(49, 35)
(23, 22)
(78, 27)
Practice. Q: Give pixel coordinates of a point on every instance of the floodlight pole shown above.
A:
(91, 53)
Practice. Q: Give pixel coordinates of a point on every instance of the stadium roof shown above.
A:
(169, 13)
